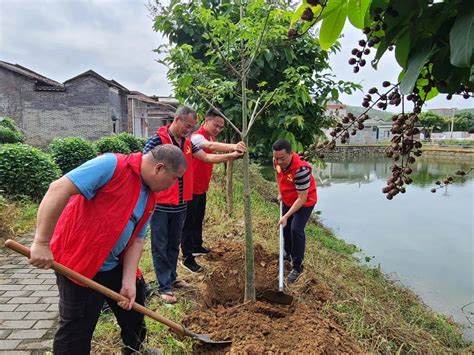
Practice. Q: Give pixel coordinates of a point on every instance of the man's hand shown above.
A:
(236, 155)
(283, 221)
(279, 197)
(129, 291)
(240, 147)
(41, 255)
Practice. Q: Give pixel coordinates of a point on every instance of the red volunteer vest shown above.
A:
(202, 171)
(87, 230)
(286, 183)
(170, 196)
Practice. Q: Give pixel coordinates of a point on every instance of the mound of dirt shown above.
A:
(259, 327)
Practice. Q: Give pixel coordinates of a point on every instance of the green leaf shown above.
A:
(402, 49)
(461, 36)
(356, 12)
(332, 25)
(415, 64)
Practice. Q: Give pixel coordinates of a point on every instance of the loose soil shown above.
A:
(259, 326)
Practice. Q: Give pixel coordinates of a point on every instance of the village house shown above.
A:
(87, 105)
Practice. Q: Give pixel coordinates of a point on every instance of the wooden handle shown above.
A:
(63, 270)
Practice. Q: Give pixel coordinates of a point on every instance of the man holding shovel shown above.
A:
(93, 220)
(297, 191)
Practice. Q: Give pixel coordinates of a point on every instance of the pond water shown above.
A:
(422, 239)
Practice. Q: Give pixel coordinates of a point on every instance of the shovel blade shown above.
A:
(206, 339)
(278, 297)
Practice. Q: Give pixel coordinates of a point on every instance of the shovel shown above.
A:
(279, 296)
(178, 329)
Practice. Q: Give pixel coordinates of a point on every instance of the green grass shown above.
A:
(17, 217)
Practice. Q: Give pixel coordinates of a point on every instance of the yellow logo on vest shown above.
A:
(188, 150)
(289, 178)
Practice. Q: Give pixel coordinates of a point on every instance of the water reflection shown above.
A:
(425, 239)
(364, 170)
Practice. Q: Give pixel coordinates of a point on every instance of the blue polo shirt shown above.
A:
(89, 178)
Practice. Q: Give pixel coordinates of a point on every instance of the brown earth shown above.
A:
(259, 326)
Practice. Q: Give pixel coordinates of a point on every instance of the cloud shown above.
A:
(63, 38)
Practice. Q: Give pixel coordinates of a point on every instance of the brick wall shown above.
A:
(85, 109)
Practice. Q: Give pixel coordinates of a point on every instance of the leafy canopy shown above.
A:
(211, 47)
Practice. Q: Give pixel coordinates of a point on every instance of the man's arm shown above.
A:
(216, 158)
(130, 266)
(223, 147)
(51, 207)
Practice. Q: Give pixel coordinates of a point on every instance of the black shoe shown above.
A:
(201, 251)
(293, 276)
(191, 265)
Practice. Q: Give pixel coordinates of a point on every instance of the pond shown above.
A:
(422, 239)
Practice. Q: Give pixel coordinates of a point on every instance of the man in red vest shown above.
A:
(170, 212)
(204, 138)
(297, 191)
(93, 220)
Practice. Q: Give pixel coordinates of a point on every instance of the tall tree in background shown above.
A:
(237, 57)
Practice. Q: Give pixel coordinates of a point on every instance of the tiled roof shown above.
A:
(41, 82)
(101, 78)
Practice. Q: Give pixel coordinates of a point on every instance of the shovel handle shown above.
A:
(63, 270)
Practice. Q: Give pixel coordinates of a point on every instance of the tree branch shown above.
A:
(254, 117)
(229, 64)
(259, 43)
(220, 113)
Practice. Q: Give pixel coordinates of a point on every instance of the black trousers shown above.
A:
(192, 231)
(79, 310)
(294, 235)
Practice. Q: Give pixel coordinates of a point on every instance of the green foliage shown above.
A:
(25, 170)
(433, 42)
(209, 39)
(71, 152)
(135, 144)
(112, 144)
(432, 121)
(9, 132)
(464, 122)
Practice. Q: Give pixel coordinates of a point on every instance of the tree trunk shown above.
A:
(229, 185)
(249, 253)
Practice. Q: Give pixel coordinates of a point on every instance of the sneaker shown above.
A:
(293, 276)
(201, 251)
(191, 265)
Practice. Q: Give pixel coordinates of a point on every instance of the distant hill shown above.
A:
(373, 113)
(470, 110)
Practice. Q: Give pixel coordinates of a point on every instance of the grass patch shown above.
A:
(17, 217)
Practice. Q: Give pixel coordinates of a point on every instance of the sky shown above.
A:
(63, 38)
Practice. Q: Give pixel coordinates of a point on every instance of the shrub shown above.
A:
(25, 170)
(9, 132)
(71, 152)
(112, 144)
(135, 144)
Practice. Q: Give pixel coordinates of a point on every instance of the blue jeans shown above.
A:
(166, 232)
(294, 235)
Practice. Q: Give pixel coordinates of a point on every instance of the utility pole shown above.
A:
(452, 121)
